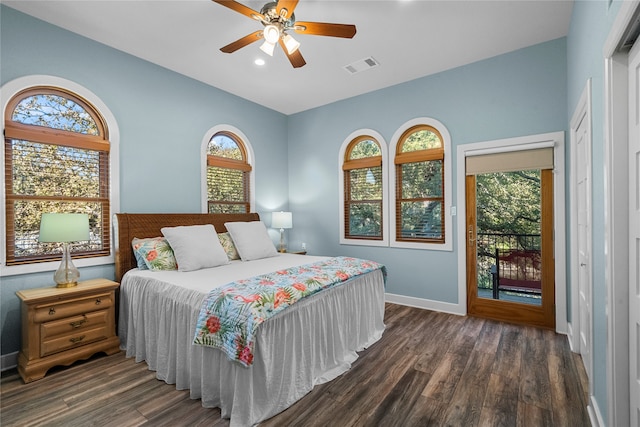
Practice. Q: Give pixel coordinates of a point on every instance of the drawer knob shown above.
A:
(98, 301)
(76, 340)
(52, 311)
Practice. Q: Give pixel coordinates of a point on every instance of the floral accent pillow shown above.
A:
(227, 244)
(139, 257)
(155, 253)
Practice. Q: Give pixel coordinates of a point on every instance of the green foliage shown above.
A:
(225, 184)
(508, 202)
(53, 170)
(421, 206)
(365, 201)
(223, 146)
(364, 149)
(421, 140)
(422, 179)
(421, 219)
(56, 112)
(508, 209)
(365, 219)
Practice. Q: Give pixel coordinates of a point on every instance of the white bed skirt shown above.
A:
(310, 343)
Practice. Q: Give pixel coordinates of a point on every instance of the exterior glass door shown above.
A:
(510, 266)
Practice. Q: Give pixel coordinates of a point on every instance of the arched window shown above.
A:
(363, 189)
(363, 186)
(228, 174)
(56, 160)
(421, 177)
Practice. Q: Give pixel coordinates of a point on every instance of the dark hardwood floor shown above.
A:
(429, 369)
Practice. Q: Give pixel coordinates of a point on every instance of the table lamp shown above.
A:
(281, 220)
(64, 228)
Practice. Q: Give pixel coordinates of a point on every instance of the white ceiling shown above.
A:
(408, 38)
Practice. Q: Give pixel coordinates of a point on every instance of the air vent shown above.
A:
(361, 65)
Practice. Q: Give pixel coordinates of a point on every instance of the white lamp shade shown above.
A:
(64, 227)
(281, 220)
(290, 43)
(271, 34)
(268, 48)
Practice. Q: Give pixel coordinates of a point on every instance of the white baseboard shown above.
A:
(8, 361)
(427, 304)
(571, 338)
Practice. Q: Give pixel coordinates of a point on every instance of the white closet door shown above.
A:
(634, 232)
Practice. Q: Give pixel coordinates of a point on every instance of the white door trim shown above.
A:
(616, 218)
(581, 114)
(559, 248)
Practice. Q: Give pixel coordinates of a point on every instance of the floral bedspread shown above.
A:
(231, 314)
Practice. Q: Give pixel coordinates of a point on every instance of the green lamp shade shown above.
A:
(64, 227)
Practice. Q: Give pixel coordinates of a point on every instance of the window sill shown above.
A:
(364, 242)
(15, 270)
(423, 246)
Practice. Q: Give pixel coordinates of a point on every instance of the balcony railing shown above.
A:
(489, 243)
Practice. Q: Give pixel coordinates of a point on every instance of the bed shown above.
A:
(309, 343)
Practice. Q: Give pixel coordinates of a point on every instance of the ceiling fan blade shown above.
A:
(240, 43)
(346, 31)
(295, 58)
(240, 8)
(289, 5)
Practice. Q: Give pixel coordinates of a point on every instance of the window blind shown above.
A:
(540, 158)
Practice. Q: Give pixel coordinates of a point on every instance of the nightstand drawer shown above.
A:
(76, 339)
(73, 324)
(53, 311)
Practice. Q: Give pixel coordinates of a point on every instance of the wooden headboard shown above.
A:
(142, 225)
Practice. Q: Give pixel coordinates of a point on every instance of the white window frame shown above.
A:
(385, 189)
(7, 92)
(448, 154)
(203, 164)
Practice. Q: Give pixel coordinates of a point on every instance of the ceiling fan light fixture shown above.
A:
(267, 47)
(290, 43)
(271, 34)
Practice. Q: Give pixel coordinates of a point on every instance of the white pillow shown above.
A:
(195, 246)
(251, 239)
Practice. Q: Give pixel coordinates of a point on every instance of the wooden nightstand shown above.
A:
(63, 325)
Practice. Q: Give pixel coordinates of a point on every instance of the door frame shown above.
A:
(616, 219)
(555, 139)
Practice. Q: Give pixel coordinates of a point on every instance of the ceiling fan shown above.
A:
(278, 18)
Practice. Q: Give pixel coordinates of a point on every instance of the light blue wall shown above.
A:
(520, 93)
(590, 25)
(162, 117)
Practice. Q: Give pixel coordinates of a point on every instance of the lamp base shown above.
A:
(67, 275)
(282, 249)
(66, 285)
